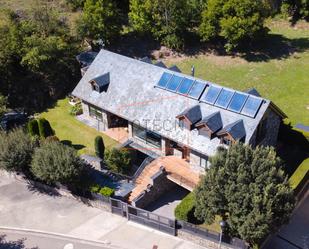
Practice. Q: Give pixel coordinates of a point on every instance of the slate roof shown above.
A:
(254, 92)
(160, 64)
(86, 58)
(236, 130)
(213, 121)
(193, 114)
(175, 69)
(132, 95)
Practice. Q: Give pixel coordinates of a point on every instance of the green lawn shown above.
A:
(279, 70)
(67, 127)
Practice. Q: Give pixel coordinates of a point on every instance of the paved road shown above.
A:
(295, 235)
(23, 208)
(11, 239)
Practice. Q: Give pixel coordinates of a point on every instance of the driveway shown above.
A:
(167, 203)
(294, 235)
(23, 208)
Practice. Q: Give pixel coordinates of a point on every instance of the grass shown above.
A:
(67, 127)
(278, 69)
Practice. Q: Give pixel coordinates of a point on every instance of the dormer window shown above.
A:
(100, 83)
(232, 132)
(189, 117)
(209, 125)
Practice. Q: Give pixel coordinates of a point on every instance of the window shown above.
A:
(148, 137)
(203, 162)
(95, 113)
(226, 141)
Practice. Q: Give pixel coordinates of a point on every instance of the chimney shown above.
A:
(192, 70)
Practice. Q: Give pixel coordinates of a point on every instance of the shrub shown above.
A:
(33, 128)
(45, 128)
(16, 149)
(118, 160)
(54, 162)
(106, 191)
(76, 109)
(185, 209)
(99, 147)
(95, 188)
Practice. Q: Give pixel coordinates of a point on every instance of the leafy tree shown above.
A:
(167, 20)
(100, 20)
(54, 162)
(3, 104)
(76, 4)
(297, 9)
(250, 188)
(45, 128)
(234, 21)
(33, 128)
(16, 148)
(99, 147)
(118, 160)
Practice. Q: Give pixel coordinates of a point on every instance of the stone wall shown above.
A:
(272, 130)
(159, 185)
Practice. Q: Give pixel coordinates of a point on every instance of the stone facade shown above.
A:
(273, 122)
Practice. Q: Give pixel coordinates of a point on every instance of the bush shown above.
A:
(52, 139)
(16, 149)
(95, 188)
(99, 147)
(33, 128)
(185, 209)
(54, 162)
(45, 128)
(106, 191)
(76, 109)
(118, 160)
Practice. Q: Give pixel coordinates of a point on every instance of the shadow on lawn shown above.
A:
(293, 147)
(75, 146)
(18, 244)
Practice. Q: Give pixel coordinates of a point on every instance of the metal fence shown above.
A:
(143, 217)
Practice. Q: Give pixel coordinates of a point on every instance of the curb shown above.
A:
(35, 232)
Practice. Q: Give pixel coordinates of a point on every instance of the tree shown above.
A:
(167, 20)
(99, 147)
(45, 128)
(16, 148)
(76, 4)
(54, 162)
(33, 128)
(297, 9)
(3, 104)
(234, 21)
(118, 160)
(249, 187)
(100, 20)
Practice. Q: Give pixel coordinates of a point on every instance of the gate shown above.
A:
(143, 217)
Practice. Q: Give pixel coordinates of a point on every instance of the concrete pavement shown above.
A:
(23, 208)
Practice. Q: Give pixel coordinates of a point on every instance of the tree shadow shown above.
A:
(43, 189)
(18, 244)
(274, 46)
(293, 147)
(75, 146)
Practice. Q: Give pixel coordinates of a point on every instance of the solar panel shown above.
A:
(174, 83)
(251, 106)
(237, 102)
(211, 95)
(164, 79)
(185, 86)
(224, 98)
(197, 89)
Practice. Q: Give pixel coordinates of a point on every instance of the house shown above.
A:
(167, 113)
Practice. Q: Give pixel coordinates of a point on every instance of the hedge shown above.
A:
(300, 175)
(45, 128)
(33, 128)
(106, 191)
(99, 147)
(185, 209)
